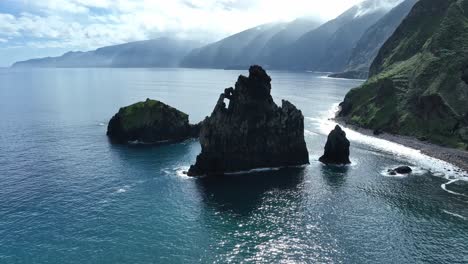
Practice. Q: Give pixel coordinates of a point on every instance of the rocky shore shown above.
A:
(453, 156)
(418, 82)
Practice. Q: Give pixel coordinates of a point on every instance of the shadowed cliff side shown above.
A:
(336, 148)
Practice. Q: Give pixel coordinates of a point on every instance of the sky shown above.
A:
(39, 28)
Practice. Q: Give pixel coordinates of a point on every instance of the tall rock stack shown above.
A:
(251, 131)
(336, 148)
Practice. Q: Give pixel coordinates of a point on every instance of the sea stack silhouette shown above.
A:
(250, 131)
(336, 148)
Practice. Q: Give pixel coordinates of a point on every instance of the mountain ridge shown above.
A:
(160, 52)
(302, 44)
(418, 83)
(326, 47)
(368, 46)
(242, 51)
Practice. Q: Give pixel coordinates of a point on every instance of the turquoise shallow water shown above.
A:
(68, 196)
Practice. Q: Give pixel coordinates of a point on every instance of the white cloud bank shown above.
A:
(89, 24)
(374, 5)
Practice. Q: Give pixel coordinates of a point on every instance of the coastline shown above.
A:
(457, 157)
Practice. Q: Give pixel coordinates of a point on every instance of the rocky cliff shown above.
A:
(368, 46)
(304, 44)
(250, 131)
(150, 122)
(417, 84)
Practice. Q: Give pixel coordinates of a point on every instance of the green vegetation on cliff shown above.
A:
(150, 122)
(150, 112)
(418, 81)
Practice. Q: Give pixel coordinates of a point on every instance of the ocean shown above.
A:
(67, 195)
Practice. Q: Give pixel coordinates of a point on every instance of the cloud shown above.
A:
(375, 5)
(89, 24)
(50, 6)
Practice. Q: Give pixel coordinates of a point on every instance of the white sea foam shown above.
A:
(121, 190)
(182, 172)
(454, 214)
(439, 174)
(338, 78)
(387, 174)
(444, 187)
(253, 171)
(325, 124)
(101, 124)
(309, 133)
(419, 171)
(415, 171)
(263, 170)
(166, 171)
(138, 142)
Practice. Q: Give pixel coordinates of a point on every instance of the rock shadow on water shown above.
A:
(243, 193)
(154, 155)
(335, 175)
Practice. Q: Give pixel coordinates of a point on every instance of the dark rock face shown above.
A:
(252, 131)
(432, 106)
(464, 76)
(400, 170)
(150, 122)
(377, 132)
(345, 108)
(336, 148)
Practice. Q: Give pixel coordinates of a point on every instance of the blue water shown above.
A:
(68, 196)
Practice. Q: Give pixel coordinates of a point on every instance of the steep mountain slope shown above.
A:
(289, 34)
(162, 52)
(248, 47)
(308, 50)
(368, 46)
(328, 47)
(228, 52)
(418, 82)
